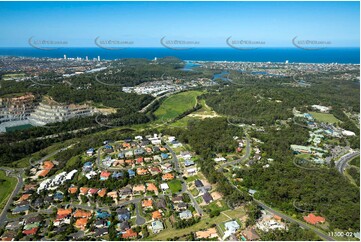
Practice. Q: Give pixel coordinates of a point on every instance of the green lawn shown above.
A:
(324, 117)
(7, 186)
(355, 161)
(176, 105)
(175, 186)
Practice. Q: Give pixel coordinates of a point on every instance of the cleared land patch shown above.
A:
(325, 117)
(177, 104)
(7, 186)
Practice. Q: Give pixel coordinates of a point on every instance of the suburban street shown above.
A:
(17, 173)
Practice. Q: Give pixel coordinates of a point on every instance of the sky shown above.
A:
(78, 24)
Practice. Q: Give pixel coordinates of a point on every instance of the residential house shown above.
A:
(87, 167)
(117, 175)
(99, 232)
(152, 188)
(104, 175)
(231, 226)
(81, 223)
(157, 226)
(188, 163)
(30, 231)
(84, 191)
(167, 177)
(164, 186)
(112, 194)
(129, 234)
(166, 167)
(90, 152)
(177, 199)
(186, 214)
(21, 209)
(123, 214)
(102, 192)
(161, 203)
(155, 170)
(207, 197)
(206, 234)
(313, 219)
(125, 192)
(156, 215)
(72, 189)
(82, 214)
(147, 204)
(250, 234)
(131, 173)
(142, 171)
(138, 189)
(164, 156)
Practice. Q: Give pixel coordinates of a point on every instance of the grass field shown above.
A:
(324, 117)
(7, 186)
(177, 104)
(175, 186)
(355, 161)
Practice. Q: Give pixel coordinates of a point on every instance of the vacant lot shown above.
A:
(176, 105)
(175, 186)
(324, 117)
(7, 186)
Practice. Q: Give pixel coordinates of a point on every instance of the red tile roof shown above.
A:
(129, 234)
(313, 219)
(30, 231)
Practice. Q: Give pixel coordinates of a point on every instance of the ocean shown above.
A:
(327, 55)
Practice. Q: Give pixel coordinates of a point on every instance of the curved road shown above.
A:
(342, 162)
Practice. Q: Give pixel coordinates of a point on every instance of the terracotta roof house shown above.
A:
(120, 162)
(112, 194)
(47, 166)
(207, 234)
(30, 231)
(65, 212)
(167, 177)
(29, 187)
(129, 234)
(137, 189)
(129, 162)
(81, 223)
(140, 160)
(82, 214)
(313, 219)
(148, 204)
(152, 188)
(24, 197)
(141, 171)
(83, 190)
(102, 192)
(73, 189)
(104, 175)
(156, 215)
